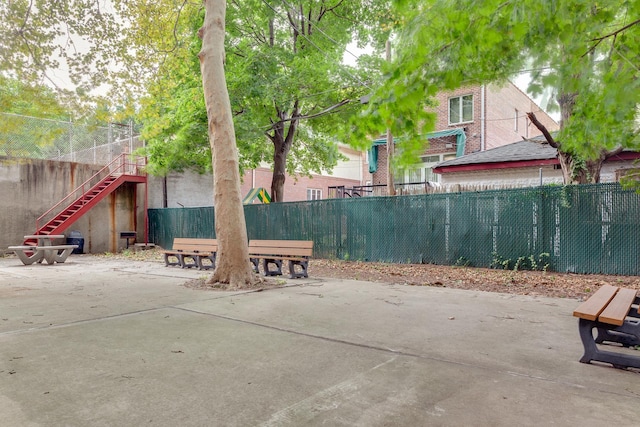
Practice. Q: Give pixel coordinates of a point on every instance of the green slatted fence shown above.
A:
(582, 229)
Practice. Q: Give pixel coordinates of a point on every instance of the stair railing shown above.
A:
(119, 165)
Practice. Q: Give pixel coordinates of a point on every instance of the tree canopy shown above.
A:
(19, 135)
(283, 68)
(587, 53)
(289, 89)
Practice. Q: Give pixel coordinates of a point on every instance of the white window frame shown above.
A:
(515, 120)
(461, 109)
(314, 194)
(425, 167)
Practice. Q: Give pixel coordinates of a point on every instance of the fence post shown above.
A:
(109, 141)
(130, 136)
(71, 154)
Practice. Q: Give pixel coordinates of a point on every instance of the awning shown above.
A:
(461, 139)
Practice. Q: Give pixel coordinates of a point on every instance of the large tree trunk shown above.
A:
(282, 138)
(566, 101)
(279, 175)
(232, 265)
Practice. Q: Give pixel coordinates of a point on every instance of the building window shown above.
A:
(515, 121)
(314, 194)
(461, 109)
(423, 171)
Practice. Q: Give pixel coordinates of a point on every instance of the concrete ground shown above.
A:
(105, 342)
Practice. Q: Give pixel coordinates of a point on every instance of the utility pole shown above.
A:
(391, 189)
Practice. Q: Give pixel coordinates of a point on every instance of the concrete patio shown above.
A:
(100, 341)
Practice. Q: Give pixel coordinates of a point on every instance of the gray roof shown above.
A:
(530, 149)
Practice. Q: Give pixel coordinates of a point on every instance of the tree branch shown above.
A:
(616, 32)
(310, 116)
(613, 152)
(332, 8)
(542, 128)
(613, 34)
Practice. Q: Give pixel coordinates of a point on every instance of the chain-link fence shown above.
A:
(33, 137)
(582, 229)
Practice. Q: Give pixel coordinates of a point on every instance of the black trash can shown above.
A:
(75, 238)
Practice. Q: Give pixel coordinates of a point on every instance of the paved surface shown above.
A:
(104, 342)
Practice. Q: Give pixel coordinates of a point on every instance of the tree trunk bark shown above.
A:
(566, 164)
(570, 176)
(574, 170)
(278, 179)
(232, 266)
(282, 139)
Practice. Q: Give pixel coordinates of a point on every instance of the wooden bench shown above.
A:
(297, 252)
(615, 315)
(201, 252)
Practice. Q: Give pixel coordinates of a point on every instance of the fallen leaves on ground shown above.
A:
(535, 283)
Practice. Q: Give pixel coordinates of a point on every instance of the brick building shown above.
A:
(469, 120)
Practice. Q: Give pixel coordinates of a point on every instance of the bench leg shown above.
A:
(36, 256)
(202, 265)
(604, 335)
(276, 262)
(593, 354)
(303, 267)
(185, 264)
(255, 262)
(52, 255)
(168, 261)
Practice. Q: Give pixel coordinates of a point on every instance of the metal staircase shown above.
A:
(80, 201)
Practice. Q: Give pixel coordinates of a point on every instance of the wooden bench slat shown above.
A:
(618, 308)
(194, 240)
(591, 308)
(280, 251)
(205, 248)
(307, 244)
(196, 243)
(182, 244)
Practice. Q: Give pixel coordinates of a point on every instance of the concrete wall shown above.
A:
(187, 189)
(29, 187)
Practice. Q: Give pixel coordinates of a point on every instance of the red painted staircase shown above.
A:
(80, 201)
